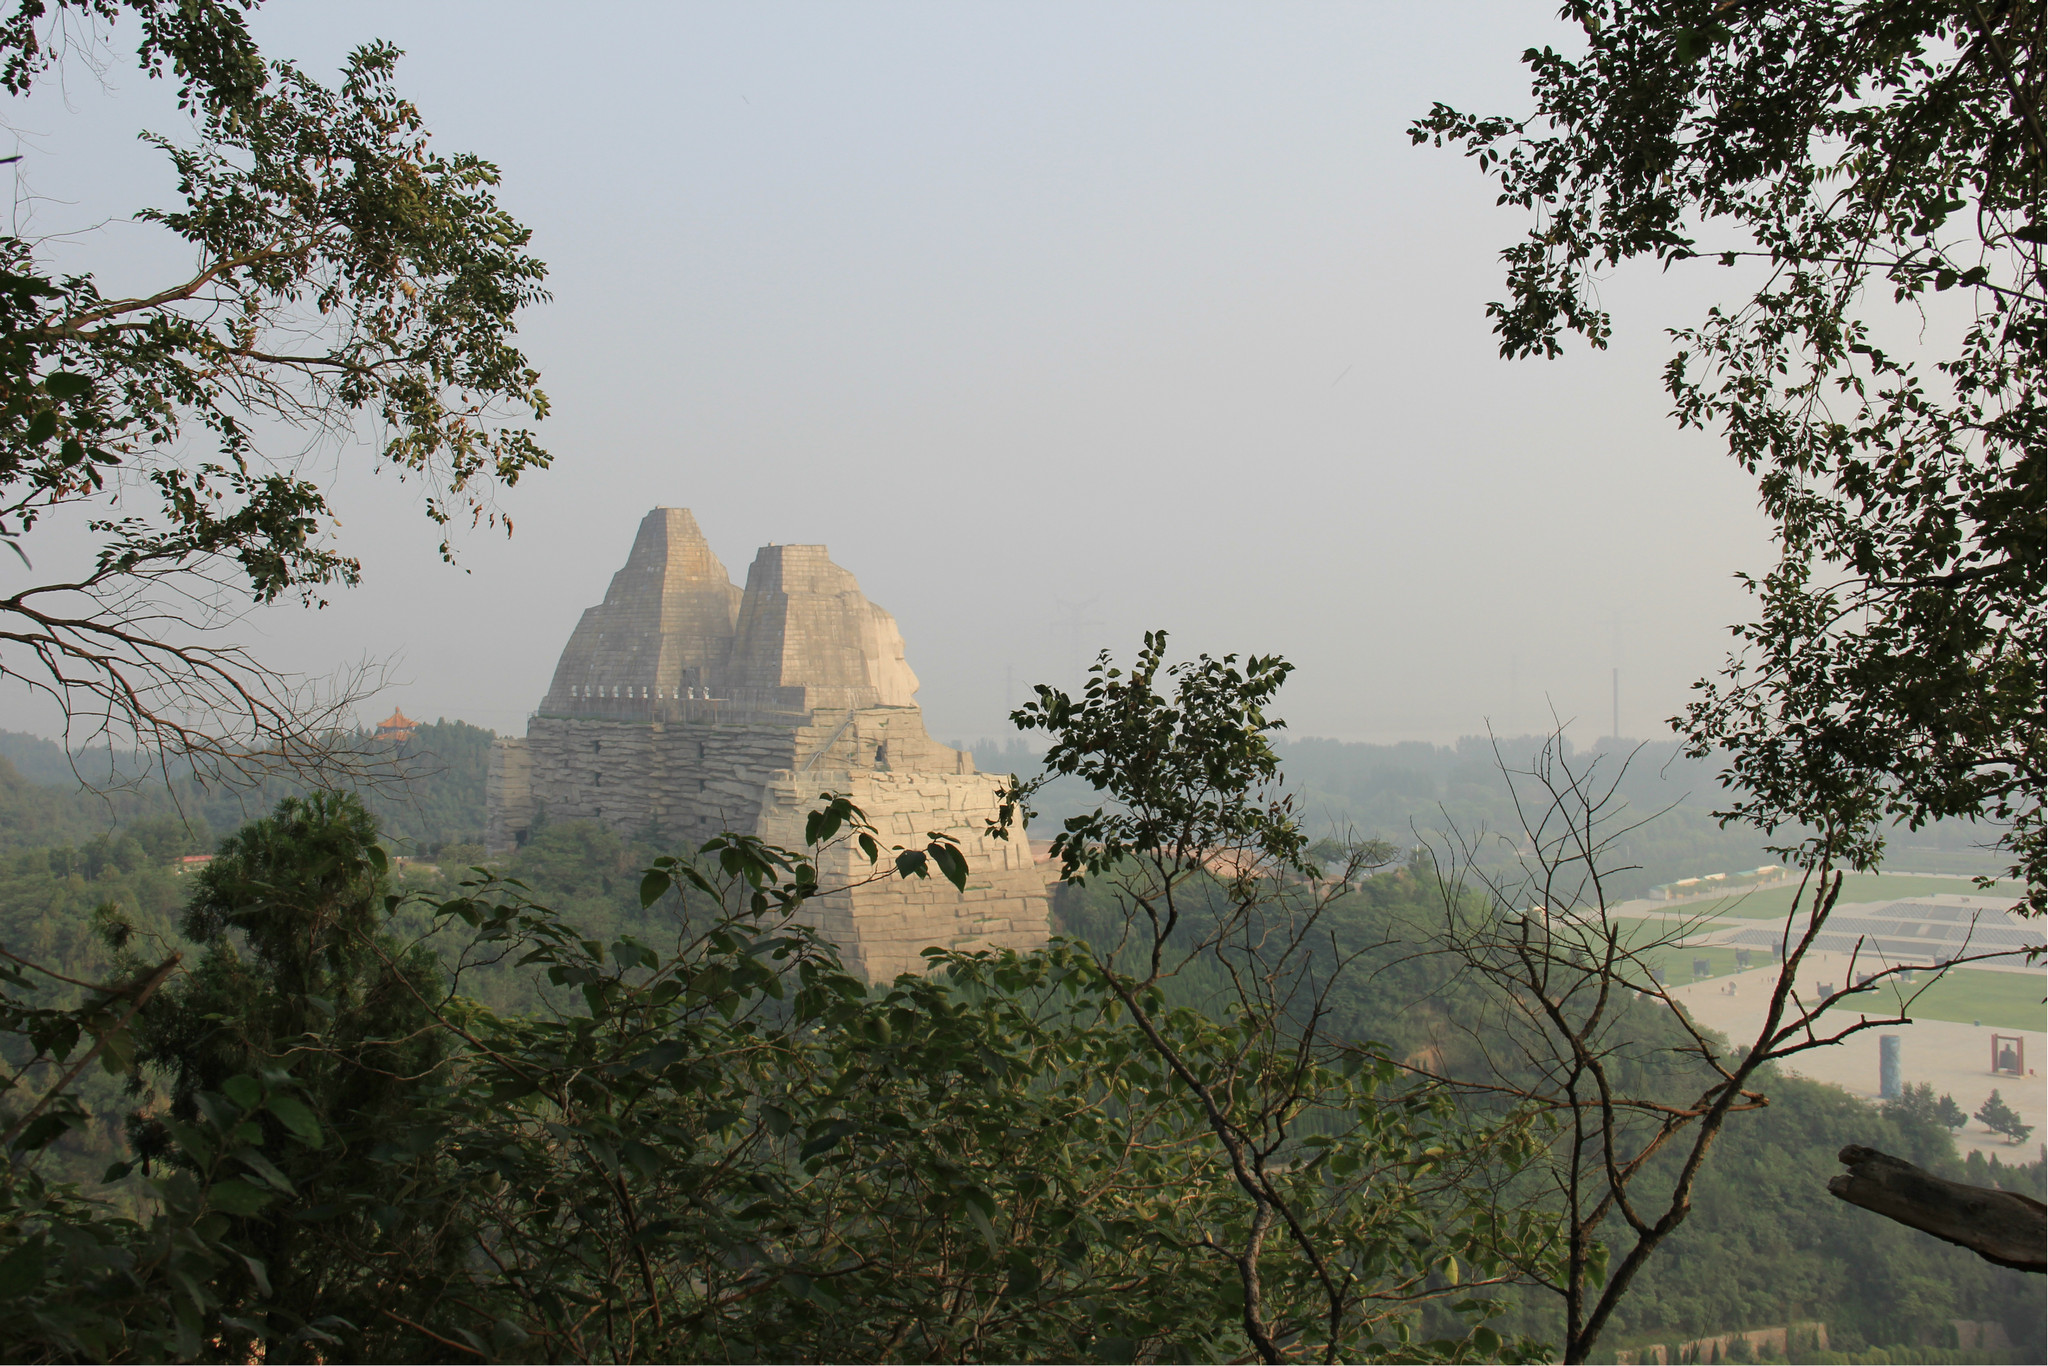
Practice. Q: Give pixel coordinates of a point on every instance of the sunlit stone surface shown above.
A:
(684, 706)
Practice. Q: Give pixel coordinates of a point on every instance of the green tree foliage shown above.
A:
(43, 804)
(692, 1135)
(298, 977)
(2000, 1118)
(1767, 1244)
(56, 904)
(82, 1282)
(1578, 1024)
(1208, 878)
(295, 974)
(743, 1152)
(440, 796)
(725, 1147)
(1917, 1109)
(1876, 169)
(985, 1162)
(344, 270)
(425, 792)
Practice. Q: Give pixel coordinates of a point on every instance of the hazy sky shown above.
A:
(1052, 322)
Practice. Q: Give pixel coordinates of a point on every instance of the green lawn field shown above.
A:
(2000, 1000)
(1997, 1000)
(1773, 904)
(1642, 936)
(1677, 962)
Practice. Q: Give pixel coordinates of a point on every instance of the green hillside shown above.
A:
(426, 792)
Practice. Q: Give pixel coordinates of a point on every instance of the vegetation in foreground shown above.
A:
(691, 1135)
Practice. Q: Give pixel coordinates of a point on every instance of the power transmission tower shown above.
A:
(1076, 625)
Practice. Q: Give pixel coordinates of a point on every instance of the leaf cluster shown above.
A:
(722, 1146)
(1858, 158)
(345, 272)
(1190, 760)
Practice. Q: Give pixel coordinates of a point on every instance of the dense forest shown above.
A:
(432, 795)
(1415, 792)
(426, 791)
(1766, 1245)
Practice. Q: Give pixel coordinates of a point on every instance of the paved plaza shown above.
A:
(1954, 1059)
(1865, 937)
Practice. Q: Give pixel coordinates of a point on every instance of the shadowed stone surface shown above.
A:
(683, 707)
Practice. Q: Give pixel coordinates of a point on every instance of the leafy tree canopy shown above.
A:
(1877, 166)
(346, 273)
(2000, 1118)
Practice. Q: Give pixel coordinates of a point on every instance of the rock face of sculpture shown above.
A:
(684, 706)
(666, 622)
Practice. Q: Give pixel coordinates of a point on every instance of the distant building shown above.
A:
(684, 706)
(397, 728)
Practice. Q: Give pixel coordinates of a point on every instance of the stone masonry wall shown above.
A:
(882, 927)
(508, 793)
(687, 782)
(682, 708)
(691, 779)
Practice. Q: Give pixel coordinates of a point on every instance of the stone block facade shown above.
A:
(684, 706)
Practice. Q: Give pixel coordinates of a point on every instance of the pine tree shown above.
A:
(2001, 1118)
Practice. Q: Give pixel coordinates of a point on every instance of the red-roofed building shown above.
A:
(397, 727)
